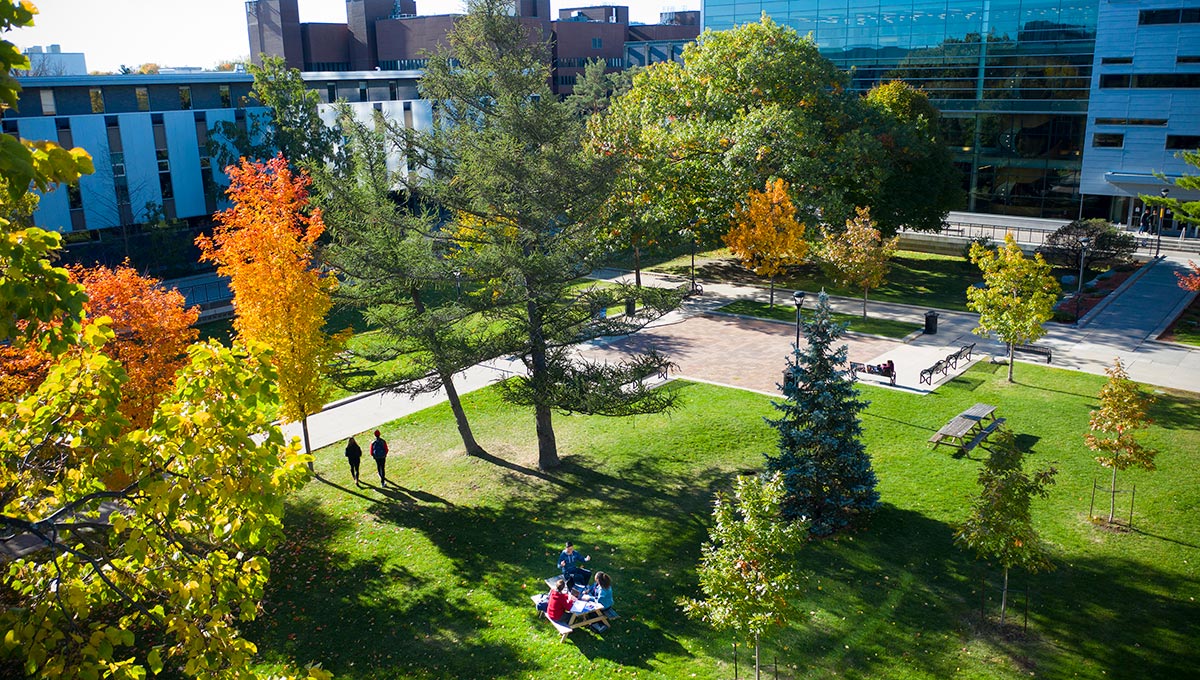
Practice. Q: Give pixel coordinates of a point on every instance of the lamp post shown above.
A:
(1084, 242)
(1162, 214)
(798, 297)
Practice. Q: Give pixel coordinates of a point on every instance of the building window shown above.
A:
(1114, 80)
(330, 93)
(362, 91)
(1190, 59)
(1186, 15)
(118, 163)
(185, 97)
(74, 198)
(567, 80)
(97, 97)
(143, 98)
(48, 107)
(597, 43)
(393, 90)
(1158, 122)
(1183, 142)
(1106, 140)
(226, 98)
(1116, 60)
(1167, 80)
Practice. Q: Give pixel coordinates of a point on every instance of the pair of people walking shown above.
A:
(379, 451)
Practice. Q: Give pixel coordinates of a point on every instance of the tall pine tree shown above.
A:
(826, 470)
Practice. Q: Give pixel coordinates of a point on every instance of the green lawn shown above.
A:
(432, 579)
(1187, 327)
(785, 312)
(923, 279)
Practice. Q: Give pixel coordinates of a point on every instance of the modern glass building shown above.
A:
(1011, 78)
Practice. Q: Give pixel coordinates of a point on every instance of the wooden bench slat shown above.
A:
(983, 434)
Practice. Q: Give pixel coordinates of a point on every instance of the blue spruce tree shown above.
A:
(826, 470)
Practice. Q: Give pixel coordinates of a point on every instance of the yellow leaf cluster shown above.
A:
(765, 235)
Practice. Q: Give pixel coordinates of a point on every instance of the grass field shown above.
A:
(936, 281)
(784, 312)
(432, 578)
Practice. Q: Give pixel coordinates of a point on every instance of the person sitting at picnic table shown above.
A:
(568, 560)
(600, 591)
(560, 601)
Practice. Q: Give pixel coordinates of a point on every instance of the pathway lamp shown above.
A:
(1084, 243)
(1162, 214)
(798, 297)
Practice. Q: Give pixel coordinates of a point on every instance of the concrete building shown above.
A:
(149, 137)
(1144, 104)
(388, 35)
(52, 61)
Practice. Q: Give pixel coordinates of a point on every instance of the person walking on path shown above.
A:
(353, 456)
(379, 451)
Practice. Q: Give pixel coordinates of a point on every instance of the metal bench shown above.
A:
(927, 375)
(857, 367)
(1034, 349)
(963, 354)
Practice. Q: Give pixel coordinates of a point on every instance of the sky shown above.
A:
(203, 33)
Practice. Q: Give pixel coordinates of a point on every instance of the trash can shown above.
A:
(630, 306)
(931, 322)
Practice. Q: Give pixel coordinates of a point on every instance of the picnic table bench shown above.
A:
(583, 613)
(968, 429)
(1034, 349)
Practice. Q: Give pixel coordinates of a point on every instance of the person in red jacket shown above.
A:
(560, 601)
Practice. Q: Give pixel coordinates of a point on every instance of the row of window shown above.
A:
(141, 94)
(1115, 140)
(1183, 59)
(1150, 80)
(1185, 15)
(582, 62)
(364, 91)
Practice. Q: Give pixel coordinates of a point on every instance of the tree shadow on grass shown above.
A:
(1175, 413)
(324, 606)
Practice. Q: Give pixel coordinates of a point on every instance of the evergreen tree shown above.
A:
(825, 467)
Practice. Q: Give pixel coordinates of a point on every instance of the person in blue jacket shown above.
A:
(600, 591)
(569, 562)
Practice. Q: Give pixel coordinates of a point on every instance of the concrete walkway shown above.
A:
(751, 354)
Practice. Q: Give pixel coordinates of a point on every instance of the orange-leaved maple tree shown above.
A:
(153, 331)
(766, 236)
(1191, 280)
(266, 244)
(859, 256)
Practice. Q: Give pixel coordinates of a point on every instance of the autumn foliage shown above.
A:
(265, 244)
(1190, 281)
(153, 330)
(766, 236)
(1123, 410)
(859, 256)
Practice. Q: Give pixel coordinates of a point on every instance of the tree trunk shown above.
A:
(637, 265)
(1004, 597)
(447, 378)
(460, 416)
(757, 676)
(1112, 497)
(307, 443)
(772, 305)
(865, 291)
(1011, 351)
(547, 447)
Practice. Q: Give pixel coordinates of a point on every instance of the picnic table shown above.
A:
(968, 429)
(582, 613)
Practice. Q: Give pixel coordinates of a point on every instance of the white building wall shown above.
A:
(53, 211)
(1130, 170)
(184, 151)
(97, 190)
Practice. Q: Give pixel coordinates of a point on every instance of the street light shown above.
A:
(1084, 242)
(798, 297)
(1162, 214)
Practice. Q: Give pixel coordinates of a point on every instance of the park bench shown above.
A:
(963, 354)
(563, 631)
(881, 370)
(940, 367)
(1034, 349)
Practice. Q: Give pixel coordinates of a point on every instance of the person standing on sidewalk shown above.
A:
(379, 451)
(353, 456)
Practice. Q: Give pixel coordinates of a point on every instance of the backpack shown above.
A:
(379, 449)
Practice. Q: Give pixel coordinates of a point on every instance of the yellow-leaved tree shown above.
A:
(766, 236)
(859, 256)
(265, 244)
(1123, 410)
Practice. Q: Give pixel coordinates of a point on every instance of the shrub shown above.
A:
(1109, 246)
(983, 241)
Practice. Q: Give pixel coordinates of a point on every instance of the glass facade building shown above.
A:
(1011, 77)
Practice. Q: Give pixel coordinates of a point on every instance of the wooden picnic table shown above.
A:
(585, 613)
(967, 429)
